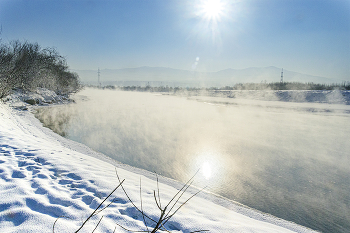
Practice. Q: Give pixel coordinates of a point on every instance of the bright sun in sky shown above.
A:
(212, 9)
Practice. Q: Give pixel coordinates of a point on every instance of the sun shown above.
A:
(212, 9)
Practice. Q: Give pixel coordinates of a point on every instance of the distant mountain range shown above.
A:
(176, 77)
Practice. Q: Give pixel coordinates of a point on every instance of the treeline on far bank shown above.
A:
(240, 86)
(288, 86)
(27, 66)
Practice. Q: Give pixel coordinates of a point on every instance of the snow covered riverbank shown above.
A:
(44, 176)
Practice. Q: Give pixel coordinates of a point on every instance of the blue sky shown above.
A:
(306, 36)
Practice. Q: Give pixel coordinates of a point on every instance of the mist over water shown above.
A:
(287, 159)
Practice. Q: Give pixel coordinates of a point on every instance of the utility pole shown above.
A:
(98, 75)
(281, 76)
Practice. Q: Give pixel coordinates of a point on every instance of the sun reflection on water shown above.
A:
(206, 170)
(209, 163)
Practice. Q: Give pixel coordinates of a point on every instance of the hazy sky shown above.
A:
(307, 36)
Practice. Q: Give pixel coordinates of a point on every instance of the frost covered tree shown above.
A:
(27, 66)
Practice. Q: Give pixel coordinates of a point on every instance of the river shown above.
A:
(287, 159)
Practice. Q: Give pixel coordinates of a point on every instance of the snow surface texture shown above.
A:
(44, 176)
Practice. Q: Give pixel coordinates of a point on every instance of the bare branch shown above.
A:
(168, 218)
(97, 225)
(155, 198)
(97, 212)
(190, 180)
(53, 227)
(120, 184)
(143, 215)
(130, 198)
(128, 229)
(165, 214)
(158, 191)
(182, 193)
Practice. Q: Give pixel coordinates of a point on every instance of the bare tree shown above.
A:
(27, 66)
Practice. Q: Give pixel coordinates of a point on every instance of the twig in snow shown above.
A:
(97, 225)
(165, 213)
(53, 226)
(93, 213)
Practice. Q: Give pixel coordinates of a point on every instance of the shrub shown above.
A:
(27, 66)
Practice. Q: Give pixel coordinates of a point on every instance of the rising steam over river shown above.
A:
(285, 158)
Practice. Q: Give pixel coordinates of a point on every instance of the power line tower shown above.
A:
(98, 76)
(281, 76)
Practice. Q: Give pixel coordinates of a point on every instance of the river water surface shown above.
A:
(284, 158)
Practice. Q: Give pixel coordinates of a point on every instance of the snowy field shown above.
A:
(44, 176)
